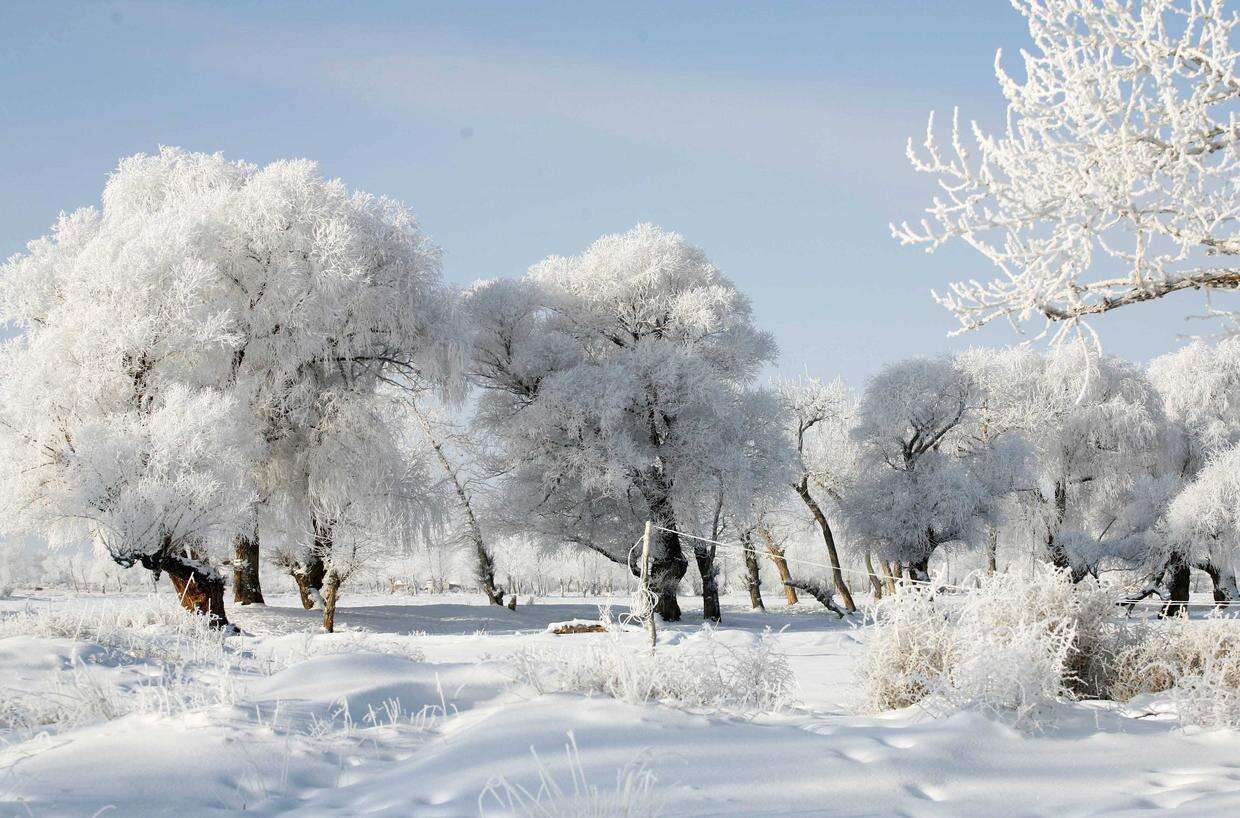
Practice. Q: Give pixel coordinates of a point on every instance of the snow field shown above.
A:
(420, 708)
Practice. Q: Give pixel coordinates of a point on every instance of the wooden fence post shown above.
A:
(645, 580)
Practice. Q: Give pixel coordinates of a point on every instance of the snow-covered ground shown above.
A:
(413, 708)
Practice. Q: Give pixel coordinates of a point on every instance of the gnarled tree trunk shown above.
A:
(875, 583)
(198, 585)
(247, 589)
(667, 558)
(1223, 583)
(704, 555)
(1178, 584)
(310, 573)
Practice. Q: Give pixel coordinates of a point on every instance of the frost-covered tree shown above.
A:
(1101, 476)
(1200, 389)
(922, 482)
(753, 465)
(1117, 178)
(1204, 523)
(283, 293)
(446, 439)
(605, 380)
(822, 417)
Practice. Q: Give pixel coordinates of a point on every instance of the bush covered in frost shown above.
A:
(700, 672)
(1017, 645)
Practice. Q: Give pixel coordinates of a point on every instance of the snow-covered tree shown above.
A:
(753, 466)
(1098, 436)
(1117, 178)
(1204, 521)
(922, 480)
(1200, 389)
(282, 293)
(605, 379)
(822, 416)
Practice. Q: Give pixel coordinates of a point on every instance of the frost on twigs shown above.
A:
(1115, 180)
(700, 672)
(1017, 646)
(1014, 647)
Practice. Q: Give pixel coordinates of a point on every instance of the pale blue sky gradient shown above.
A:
(771, 135)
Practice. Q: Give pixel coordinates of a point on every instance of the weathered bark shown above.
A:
(1177, 585)
(310, 573)
(992, 550)
(484, 564)
(841, 587)
(875, 583)
(199, 586)
(668, 563)
(753, 574)
(704, 556)
(331, 588)
(247, 588)
(818, 591)
(781, 565)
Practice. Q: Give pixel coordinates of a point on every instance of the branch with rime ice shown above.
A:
(1117, 177)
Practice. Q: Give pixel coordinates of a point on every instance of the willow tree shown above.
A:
(605, 379)
(280, 292)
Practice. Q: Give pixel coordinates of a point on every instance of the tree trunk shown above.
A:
(247, 589)
(199, 586)
(891, 579)
(704, 555)
(841, 587)
(781, 565)
(667, 558)
(753, 575)
(992, 550)
(818, 591)
(1222, 581)
(331, 587)
(875, 583)
(1178, 585)
(1059, 556)
(484, 564)
(310, 573)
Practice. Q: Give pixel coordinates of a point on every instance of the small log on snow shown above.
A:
(576, 626)
(818, 591)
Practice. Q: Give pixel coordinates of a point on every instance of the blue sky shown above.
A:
(771, 135)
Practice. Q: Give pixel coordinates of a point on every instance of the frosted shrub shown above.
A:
(700, 673)
(1198, 661)
(1210, 697)
(1014, 646)
(906, 651)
